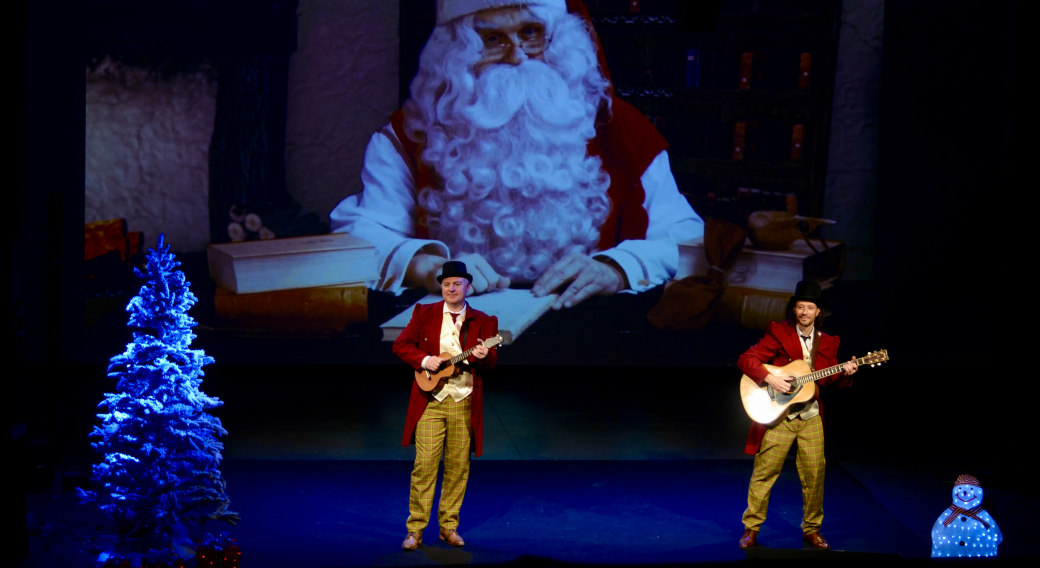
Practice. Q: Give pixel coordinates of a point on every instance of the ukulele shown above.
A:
(428, 380)
(765, 405)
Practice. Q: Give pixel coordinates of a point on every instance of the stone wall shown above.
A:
(147, 138)
(147, 151)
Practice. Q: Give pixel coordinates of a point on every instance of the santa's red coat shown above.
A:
(779, 347)
(422, 337)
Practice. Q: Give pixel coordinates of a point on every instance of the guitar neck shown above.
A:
(824, 373)
(456, 359)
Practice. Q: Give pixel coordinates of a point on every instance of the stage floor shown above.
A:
(352, 513)
(620, 476)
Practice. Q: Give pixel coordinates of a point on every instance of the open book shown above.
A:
(516, 311)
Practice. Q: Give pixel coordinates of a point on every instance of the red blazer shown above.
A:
(780, 346)
(422, 337)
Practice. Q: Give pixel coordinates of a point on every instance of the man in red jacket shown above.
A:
(770, 444)
(449, 419)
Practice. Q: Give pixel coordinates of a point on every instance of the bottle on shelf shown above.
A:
(804, 67)
(797, 139)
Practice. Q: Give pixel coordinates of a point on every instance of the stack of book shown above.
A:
(110, 253)
(314, 283)
(760, 282)
(103, 237)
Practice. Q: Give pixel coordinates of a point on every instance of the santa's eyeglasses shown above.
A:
(531, 41)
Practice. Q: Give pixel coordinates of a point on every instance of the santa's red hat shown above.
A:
(448, 10)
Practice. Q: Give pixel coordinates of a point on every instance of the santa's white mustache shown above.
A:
(501, 90)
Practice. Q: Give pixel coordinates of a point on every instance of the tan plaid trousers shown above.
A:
(444, 427)
(770, 460)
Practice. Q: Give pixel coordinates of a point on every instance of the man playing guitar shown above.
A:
(785, 342)
(449, 418)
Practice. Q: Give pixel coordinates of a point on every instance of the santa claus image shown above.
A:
(513, 155)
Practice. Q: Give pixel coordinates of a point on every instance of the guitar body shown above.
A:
(764, 404)
(428, 380)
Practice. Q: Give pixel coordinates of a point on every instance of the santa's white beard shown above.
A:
(518, 188)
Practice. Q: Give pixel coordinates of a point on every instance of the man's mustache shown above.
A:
(503, 89)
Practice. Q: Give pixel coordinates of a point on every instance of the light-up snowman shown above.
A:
(964, 528)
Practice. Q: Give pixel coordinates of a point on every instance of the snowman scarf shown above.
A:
(973, 513)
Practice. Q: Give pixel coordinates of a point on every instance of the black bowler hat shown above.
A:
(808, 291)
(454, 268)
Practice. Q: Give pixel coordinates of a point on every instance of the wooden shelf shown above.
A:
(726, 23)
(656, 23)
(729, 106)
(703, 165)
(694, 95)
(648, 61)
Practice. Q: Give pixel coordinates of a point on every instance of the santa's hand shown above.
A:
(781, 384)
(424, 269)
(851, 367)
(434, 363)
(480, 352)
(586, 277)
(485, 279)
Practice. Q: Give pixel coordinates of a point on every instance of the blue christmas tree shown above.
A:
(160, 445)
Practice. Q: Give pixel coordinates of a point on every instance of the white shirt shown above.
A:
(802, 411)
(384, 213)
(460, 386)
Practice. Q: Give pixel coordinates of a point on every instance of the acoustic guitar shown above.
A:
(429, 380)
(765, 405)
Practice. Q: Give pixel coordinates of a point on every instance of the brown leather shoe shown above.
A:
(452, 537)
(412, 541)
(815, 540)
(749, 539)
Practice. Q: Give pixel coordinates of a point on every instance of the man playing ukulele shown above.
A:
(770, 444)
(449, 418)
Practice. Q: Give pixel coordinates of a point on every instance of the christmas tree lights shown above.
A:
(160, 445)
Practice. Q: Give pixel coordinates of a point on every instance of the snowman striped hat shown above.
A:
(448, 10)
(967, 480)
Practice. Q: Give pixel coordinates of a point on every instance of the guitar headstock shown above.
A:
(492, 341)
(876, 357)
